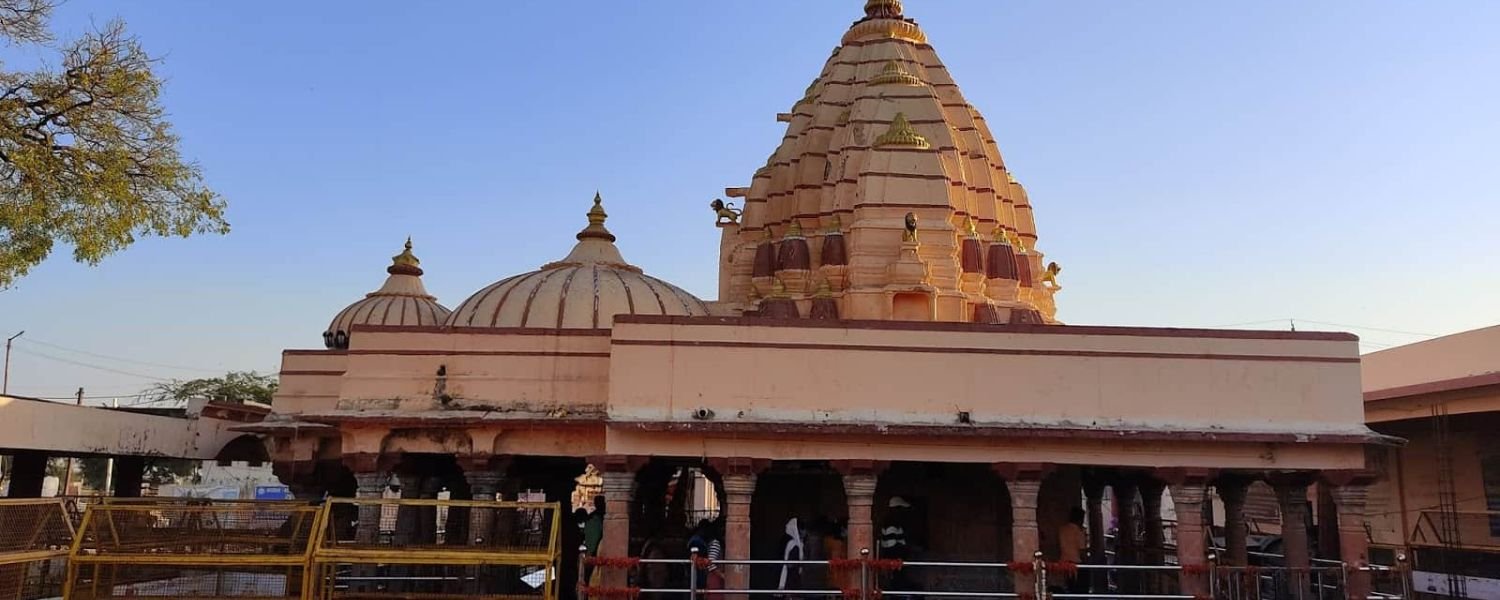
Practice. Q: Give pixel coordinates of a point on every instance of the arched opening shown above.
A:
(810, 492)
(958, 512)
(673, 496)
(911, 306)
(246, 448)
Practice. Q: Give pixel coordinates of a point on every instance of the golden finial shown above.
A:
(778, 289)
(901, 134)
(794, 230)
(970, 227)
(595, 227)
(835, 225)
(1018, 242)
(895, 74)
(883, 9)
(405, 263)
(1011, 177)
(1000, 235)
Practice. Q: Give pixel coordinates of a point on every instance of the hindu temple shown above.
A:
(884, 337)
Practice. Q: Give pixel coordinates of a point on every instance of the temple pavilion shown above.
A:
(885, 327)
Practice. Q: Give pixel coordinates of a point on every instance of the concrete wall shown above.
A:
(1454, 356)
(53, 427)
(665, 370)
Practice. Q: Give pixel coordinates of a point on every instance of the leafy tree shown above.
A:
(237, 387)
(87, 157)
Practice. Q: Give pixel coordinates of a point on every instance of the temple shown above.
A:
(885, 338)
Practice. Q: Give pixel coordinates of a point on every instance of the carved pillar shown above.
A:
(1192, 551)
(1291, 496)
(739, 488)
(1349, 499)
(1154, 543)
(483, 485)
(1025, 540)
(1232, 492)
(619, 493)
(1127, 542)
(370, 485)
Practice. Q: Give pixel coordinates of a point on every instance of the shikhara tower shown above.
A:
(883, 132)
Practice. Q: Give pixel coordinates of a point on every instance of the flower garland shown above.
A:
(1065, 568)
(702, 562)
(851, 593)
(613, 562)
(1195, 569)
(626, 593)
(1024, 567)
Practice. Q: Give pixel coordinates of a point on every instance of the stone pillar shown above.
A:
(1292, 497)
(619, 493)
(859, 489)
(1127, 542)
(1093, 494)
(1154, 543)
(1025, 540)
(1192, 551)
(483, 485)
(739, 488)
(370, 485)
(1232, 493)
(1354, 546)
(27, 470)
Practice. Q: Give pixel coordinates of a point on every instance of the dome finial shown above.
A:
(405, 263)
(595, 227)
(883, 9)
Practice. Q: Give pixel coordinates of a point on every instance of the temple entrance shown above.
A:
(810, 492)
(672, 498)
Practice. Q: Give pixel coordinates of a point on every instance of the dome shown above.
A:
(401, 301)
(585, 290)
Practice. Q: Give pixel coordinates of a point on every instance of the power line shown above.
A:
(116, 358)
(91, 366)
(1417, 333)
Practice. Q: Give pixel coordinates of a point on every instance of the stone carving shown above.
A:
(725, 213)
(1049, 277)
(911, 228)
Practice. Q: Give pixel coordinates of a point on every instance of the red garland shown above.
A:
(702, 562)
(613, 562)
(1024, 567)
(876, 564)
(1027, 595)
(1195, 569)
(853, 592)
(628, 593)
(886, 564)
(1063, 567)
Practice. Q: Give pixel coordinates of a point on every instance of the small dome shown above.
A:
(401, 301)
(585, 290)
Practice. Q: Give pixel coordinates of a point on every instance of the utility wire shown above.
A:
(116, 358)
(91, 366)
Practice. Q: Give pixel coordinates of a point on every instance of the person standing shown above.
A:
(894, 544)
(1071, 542)
(593, 535)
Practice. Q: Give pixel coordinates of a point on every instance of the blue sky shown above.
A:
(1191, 163)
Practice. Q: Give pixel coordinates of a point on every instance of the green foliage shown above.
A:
(237, 387)
(87, 157)
(158, 471)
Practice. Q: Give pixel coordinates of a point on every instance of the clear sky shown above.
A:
(1191, 163)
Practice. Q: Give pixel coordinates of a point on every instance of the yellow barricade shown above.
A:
(163, 547)
(34, 540)
(385, 549)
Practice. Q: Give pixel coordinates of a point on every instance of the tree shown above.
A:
(87, 157)
(237, 387)
(158, 471)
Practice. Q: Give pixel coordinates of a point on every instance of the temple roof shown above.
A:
(883, 130)
(584, 290)
(401, 300)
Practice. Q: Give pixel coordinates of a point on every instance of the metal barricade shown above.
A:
(34, 539)
(436, 549)
(191, 550)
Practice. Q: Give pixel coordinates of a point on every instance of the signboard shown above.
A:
(272, 492)
(1479, 588)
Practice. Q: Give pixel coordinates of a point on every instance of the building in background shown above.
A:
(1439, 496)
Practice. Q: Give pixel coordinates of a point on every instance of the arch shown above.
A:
(245, 448)
(960, 512)
(809, 491)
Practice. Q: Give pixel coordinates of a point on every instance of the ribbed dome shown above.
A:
(403, 300)
(585, 290)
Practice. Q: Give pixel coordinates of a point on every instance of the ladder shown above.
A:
(1448, 531)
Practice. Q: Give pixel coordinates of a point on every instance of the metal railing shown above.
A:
(871, 579)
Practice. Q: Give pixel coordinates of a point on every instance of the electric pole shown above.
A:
(68, 472)
(5, 386)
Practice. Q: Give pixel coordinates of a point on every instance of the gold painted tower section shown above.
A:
(884, 132)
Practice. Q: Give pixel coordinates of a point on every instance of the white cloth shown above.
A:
(795, 543)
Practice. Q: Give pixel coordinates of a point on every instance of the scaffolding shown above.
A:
(436, 549)
(34, 539)
(1447, 526)
(192, 549)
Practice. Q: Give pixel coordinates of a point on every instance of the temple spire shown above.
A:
(595, 228)
(595, 243)
(405, 263)
(883, 9)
